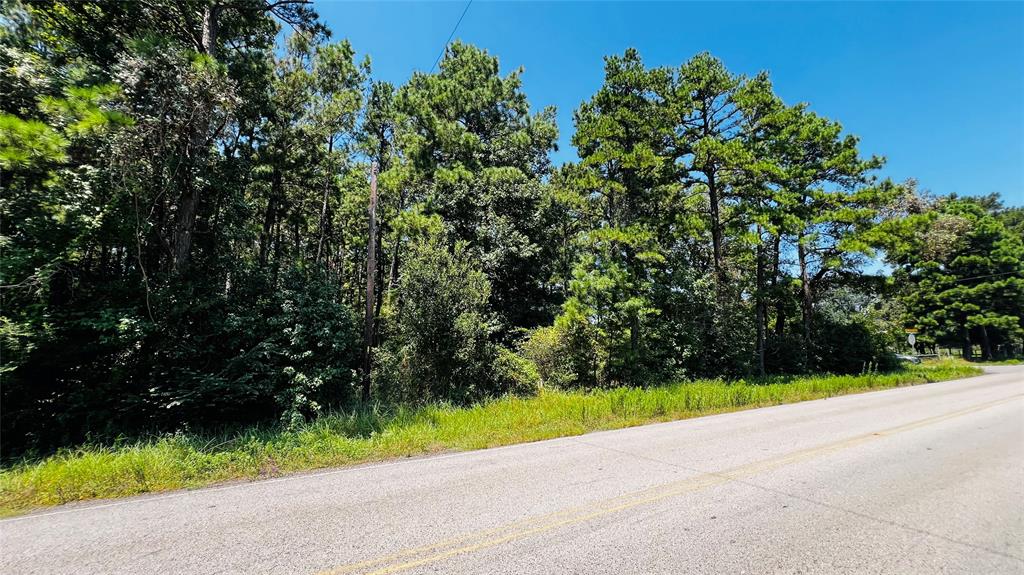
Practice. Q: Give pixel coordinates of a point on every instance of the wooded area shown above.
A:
(185, 229)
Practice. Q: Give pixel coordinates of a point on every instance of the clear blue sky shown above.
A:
(936, 88)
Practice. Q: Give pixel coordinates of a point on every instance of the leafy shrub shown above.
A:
(438, 346)
(850, 334)
(848, 348)
(515, 374)
(719, 330)
(785, 354)
(549, 350)
(241, 357)
(289, 355)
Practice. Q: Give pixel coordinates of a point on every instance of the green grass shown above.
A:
(977, 362)
(184, 461)
(1000, 362)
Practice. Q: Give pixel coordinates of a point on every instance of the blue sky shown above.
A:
(936, 88)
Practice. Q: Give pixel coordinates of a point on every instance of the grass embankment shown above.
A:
(179, 461)
(996, 362)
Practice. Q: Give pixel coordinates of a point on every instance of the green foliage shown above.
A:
(723, 334)
(477, 158)
(29, 142)
(438, 346)
(556, 360)
(515, 374)
(617, 313)
(850, 347)
(184, 230)
(133, 177)
(187, 460)
(960, 271)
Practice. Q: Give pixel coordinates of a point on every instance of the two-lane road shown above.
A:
(926, 479)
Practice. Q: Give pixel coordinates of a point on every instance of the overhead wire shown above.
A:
(450, 36)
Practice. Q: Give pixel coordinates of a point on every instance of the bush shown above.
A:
(438, 346)
(548, 350)
(722, 330)
(691, 334)
(515, 374)
(850, 334)
(289, 355)
(848, 348)
(210, 357)
(189, 460)
(785, 354)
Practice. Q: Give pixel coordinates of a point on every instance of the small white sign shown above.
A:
(911, 339)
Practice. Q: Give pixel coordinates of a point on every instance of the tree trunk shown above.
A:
(322, 226)
(396, 248)
(780, 304)
(806, 301)
(965, 341)
(986, 345)
(716, 227)
(379, 302)
(104, 264)
(634, 346)
(371, 273)
(210, 29)
(393, 268)
(270, 217)
(188, 202)
(184, 223)
(760, 306)
(276, 251)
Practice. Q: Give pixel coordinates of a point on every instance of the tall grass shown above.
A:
(997, 362)
(184, 460)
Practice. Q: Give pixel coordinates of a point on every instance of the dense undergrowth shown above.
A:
(186, 460)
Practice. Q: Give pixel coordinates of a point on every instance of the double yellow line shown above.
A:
(474, 541)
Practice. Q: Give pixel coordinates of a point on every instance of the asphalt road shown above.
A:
(927, 479)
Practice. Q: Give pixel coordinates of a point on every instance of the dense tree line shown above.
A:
(185, 228)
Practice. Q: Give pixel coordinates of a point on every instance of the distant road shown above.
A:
(928, 479)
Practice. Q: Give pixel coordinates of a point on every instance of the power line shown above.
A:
(450, 36)
(988, 276)
(958, 280)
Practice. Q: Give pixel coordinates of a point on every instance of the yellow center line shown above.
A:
(444, 543)
(496, 536)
